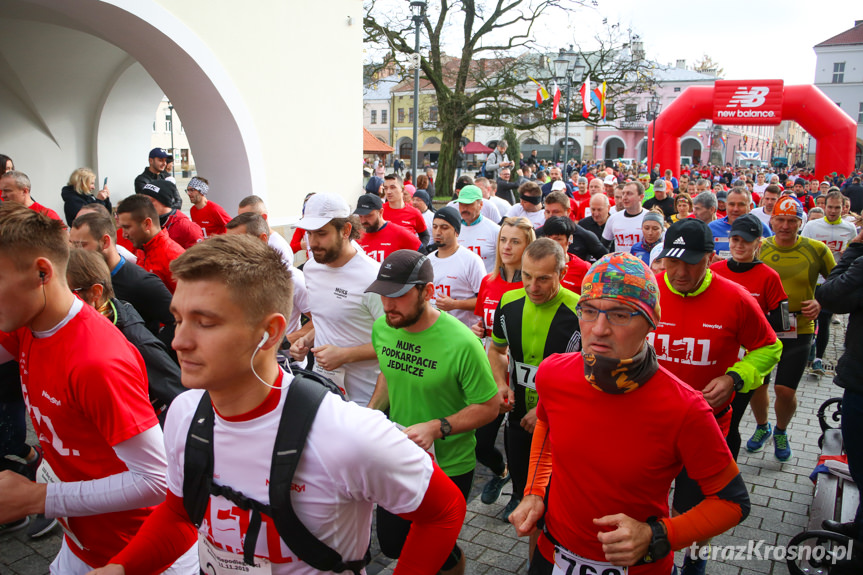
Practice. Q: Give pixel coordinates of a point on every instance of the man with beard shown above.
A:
(139, 221)
(381, 238)
(458, 272)
(434, 379)
(336, 279)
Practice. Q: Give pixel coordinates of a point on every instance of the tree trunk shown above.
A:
(448, 160)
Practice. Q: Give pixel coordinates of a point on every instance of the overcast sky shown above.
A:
(749, 39)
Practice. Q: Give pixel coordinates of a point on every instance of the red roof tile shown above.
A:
(852, 36)
(371, 145)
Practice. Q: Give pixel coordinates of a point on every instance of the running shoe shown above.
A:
(693, 566)
(818, 366)
(759, 438)
(510, 507)
(491, 490)
(782, 450)
(41, 526)
(31, 468)
(14, 525)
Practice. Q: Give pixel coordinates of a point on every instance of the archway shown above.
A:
(574, 150)
(757, 102)
(691, 147)
(146, 36)
(405, 147)
(614, 148)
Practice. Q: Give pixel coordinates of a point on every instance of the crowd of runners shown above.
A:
(203, 405)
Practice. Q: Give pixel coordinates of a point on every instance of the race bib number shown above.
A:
(686, 350)
(45, 474)
(337, 376)
(215, 561)
(792, 330)
(568, 563)
(525, 374)
(430, 450)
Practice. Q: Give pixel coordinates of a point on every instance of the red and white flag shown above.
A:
(556, 99)
(585, 98)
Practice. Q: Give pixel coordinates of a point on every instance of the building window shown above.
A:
(860, 114)
(410, 115)
(838, 72)
(401, 115)
(677, 88)
(374, 119)
(631, 111)
(609, 111)
(168, 123)
(433, 114)
(383, 116)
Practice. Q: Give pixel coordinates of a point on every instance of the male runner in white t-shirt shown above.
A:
(624, 227)
(478, 233)
(336, 278)
(458, 272)
(529, 205)
(232, 302)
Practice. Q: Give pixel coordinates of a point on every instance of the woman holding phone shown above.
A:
(80, 191)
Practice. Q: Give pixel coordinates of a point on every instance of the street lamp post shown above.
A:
(568, 70)
(654, 105)
(418, 10)
(171, 111)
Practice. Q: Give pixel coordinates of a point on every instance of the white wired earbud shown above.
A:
(264, 339)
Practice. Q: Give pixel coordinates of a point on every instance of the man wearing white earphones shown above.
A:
(232, 300)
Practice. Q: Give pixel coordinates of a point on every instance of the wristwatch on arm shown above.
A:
(445, 428)
(659, 546)
(738, 381)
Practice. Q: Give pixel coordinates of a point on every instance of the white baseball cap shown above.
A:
(321, 208)
(558, 185)
(609, 180)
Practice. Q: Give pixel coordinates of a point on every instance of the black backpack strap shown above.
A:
(301, 405)
(198, 461)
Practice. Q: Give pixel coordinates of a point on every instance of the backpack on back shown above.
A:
(305, 394)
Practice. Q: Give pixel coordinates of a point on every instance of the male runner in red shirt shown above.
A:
(15, 187)
(395, 210)
(86, 390)
(140, 224)
(381, 238)
(607, 503)
(206, 213)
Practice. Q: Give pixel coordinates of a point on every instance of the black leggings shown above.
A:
(792, 363)
(825, 320)
(517, 455)
(486, 452)
(738, 408)
(393, 530)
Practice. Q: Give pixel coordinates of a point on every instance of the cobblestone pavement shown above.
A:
(780, 495)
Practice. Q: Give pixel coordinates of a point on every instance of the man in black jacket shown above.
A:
(144, 290)
(843, 292)
(854, 192)
(155, 170)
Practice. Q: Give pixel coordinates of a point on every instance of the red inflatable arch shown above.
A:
(759, 102)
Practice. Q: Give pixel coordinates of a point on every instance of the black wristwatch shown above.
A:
(738, 381)
(445, 428)
(659, 546)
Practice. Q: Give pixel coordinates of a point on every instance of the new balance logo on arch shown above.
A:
(751, 98)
